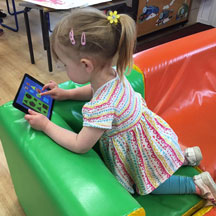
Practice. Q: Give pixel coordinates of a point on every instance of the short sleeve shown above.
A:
(98, 115)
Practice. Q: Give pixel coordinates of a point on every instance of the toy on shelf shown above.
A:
(154, 15)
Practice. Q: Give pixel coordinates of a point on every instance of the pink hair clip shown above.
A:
(71, 36)
(83, 39)
(72, 39)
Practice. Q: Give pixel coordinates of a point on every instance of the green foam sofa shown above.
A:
(52, 181)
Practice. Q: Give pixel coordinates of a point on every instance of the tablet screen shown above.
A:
(28, 97)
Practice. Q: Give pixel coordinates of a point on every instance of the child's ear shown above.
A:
(87, 64)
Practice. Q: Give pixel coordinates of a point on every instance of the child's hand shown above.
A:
(55, 92)
(37, 120)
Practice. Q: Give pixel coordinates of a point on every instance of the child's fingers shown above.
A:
(46, 86)
(27, 117)
(46, 92)
(32, 112)
(49, 85)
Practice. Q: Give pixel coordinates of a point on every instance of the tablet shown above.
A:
(28, 97)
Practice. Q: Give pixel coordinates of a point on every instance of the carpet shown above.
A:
(160, 37)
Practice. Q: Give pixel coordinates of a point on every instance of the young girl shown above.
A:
(139, 147)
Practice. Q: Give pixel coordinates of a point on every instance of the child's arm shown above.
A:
(78, 143)
(82, 93)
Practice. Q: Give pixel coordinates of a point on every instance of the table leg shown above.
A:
(42, 28)
(28, 32)
(46, 39)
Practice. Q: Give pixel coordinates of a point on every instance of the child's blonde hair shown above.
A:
(103, 40)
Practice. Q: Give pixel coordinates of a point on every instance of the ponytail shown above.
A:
(126, 44)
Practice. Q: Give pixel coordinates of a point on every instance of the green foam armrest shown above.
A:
(50, 180)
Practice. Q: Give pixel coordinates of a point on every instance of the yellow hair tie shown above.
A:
(113, 17)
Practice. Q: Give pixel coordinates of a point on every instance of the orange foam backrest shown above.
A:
(180, 86)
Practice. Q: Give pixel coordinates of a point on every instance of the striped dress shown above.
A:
(139, 147)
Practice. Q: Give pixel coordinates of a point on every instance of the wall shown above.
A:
(194, 11)
(207, 12)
